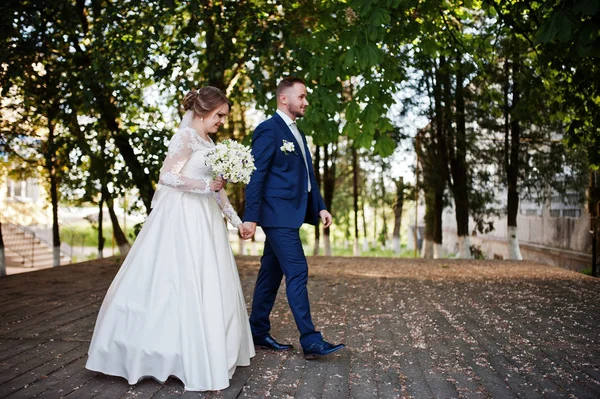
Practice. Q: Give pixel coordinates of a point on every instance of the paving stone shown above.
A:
(414, 329)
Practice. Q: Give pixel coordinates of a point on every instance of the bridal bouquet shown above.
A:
(232, 161)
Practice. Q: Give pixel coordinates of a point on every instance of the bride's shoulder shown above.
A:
(190, 136)
(186, 134)
(186, 131)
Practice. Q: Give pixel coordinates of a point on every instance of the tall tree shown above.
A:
(512, 137)
(457, 154)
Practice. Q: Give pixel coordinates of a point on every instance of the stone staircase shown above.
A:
(25, 248)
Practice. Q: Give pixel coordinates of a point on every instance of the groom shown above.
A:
(281, 196)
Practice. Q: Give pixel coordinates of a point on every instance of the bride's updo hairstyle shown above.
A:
(204, 100)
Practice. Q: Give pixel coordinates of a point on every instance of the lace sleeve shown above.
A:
(180, 150)
(227, 209)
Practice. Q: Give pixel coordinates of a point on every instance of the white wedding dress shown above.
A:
(176, 307)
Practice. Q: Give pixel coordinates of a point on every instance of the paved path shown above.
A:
(420, 329)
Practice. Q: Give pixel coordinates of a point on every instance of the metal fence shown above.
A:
(20, 241)
(27, 245)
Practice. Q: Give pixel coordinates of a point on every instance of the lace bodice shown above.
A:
(185, 169)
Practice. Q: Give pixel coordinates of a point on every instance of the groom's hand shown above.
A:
(248, 230)
(325, 218)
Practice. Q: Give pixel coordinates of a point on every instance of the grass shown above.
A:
(87, 236)
(84, 235)
(375, 252)
(335, 251)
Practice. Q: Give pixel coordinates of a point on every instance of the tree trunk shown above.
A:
(438, 173)
(424, 146)
(398, 214)
(2, 254)
(118, 234)
(428, 239)
(458, 168)
(437, 224)
(100, 226)
(365, 243)
(317, 168)
(374, 242)
(327, 241)
(55, 228)
(593, 196)
(50, 165)
(329, 171)
(355, 198)
(512, 133)
(384, 230)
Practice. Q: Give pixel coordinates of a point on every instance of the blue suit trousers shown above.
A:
(283, 256)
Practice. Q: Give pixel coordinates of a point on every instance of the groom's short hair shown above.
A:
(286, 83)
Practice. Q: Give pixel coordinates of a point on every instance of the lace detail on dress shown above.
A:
(231, 215)
(170, 179)
(185, 166)
(185, 169)
(228, 210)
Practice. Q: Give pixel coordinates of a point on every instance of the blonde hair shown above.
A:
(204, 100)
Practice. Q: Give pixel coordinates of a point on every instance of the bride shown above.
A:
(176, 307)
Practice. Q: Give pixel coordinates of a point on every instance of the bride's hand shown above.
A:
(217, 184)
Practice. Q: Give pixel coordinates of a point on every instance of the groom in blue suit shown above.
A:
(281, 196)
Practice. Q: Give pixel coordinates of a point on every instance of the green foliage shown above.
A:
(566, 36)
(109, 76)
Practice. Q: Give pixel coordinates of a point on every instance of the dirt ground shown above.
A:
(414, 329)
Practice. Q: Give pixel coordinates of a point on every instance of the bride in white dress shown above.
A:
(176, 307)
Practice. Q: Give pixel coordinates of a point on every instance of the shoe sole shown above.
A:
(266, 348)
(315, 356)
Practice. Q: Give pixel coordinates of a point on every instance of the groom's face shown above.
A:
(295, 97)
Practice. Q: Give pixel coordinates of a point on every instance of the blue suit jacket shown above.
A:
(277, 195)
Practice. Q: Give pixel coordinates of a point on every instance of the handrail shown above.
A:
(23, 247)
(24, 242)
(45, 238)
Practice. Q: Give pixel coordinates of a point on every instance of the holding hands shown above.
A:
(247, 230)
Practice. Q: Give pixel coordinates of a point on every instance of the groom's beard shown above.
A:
(297, 112)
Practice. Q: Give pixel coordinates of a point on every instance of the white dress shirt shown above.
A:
(292, 125)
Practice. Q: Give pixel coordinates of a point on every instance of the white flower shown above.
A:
(232, 161)
(287, 147)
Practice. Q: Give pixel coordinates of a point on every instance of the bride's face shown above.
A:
(216, 118)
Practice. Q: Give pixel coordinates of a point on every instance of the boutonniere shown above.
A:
(287, 147)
